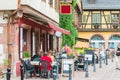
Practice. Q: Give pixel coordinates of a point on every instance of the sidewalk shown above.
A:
(107, 72)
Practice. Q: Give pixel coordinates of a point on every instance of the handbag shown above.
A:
(117, 53)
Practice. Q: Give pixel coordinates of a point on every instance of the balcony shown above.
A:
(43, 8)
(101, 27)
(8, 4)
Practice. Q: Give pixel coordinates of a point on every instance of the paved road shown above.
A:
(107, 72)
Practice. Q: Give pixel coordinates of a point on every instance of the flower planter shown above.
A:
(115, 26)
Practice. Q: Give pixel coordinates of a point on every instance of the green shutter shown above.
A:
(108, 18)
(84, 19)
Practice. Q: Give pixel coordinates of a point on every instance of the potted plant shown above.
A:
(115, 26)
(70, 56)
(96, 25)
(6, 63)
(26, 55)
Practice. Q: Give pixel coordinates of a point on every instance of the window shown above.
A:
(115, 18)
(56, 5)
(84, 19)
(50, 2)
(108, 18)
(114, 40)
(44, 0)
(97, 41)
(96, 18)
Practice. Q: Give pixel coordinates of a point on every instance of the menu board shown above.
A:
(65, 66)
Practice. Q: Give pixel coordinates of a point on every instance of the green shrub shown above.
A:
(6, 62)
(26, 54)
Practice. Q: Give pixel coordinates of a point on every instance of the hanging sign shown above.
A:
(65, 9)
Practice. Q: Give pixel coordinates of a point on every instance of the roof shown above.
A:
(102, 4)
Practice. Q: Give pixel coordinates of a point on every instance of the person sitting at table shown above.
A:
(37, 56)
(51, 55)
(46, 58)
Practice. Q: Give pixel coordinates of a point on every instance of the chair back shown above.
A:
(27, 65)
(44, 65)
(24, 65)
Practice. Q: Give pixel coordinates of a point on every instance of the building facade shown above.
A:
(101, 23)
(28, 25)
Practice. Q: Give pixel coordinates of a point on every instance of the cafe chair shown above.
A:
(28, 68)
(44, 69)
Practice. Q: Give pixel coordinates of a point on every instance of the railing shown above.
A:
(100, 27)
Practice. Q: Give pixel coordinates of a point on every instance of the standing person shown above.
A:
(118, 57)
(102, 54)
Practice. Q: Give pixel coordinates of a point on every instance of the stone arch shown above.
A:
(97, 41)
(114, 39)
(97, 35)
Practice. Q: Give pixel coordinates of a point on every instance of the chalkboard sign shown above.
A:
(89, 54)
(65, 67)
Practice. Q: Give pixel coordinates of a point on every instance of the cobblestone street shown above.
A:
(107, 72)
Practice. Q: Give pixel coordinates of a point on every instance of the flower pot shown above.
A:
(115, 26)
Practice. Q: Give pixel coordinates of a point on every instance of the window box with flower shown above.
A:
(115, 25)
(96, 25)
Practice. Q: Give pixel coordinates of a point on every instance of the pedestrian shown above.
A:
(118, 57)
(102, 55)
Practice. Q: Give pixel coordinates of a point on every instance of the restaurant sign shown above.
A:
(65, 9)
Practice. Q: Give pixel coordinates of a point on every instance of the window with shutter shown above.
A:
(108, 18)
(51, 3)
(84, 18)
(44, 0)
(96, 18)
(56, 5)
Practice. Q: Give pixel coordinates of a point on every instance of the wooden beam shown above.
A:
(87, 19)
(105, 19)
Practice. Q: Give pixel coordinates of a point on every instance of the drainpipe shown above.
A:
(9, 43)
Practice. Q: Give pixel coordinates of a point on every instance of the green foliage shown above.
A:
(26, 54)
(80, 50)
(6, 62)
(74, 3)
(67, 22)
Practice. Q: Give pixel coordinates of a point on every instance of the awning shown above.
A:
(82, 39)
(56, 28)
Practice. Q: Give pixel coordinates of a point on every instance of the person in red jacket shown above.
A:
(46, 58)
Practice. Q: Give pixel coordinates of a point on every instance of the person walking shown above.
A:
(118, 57)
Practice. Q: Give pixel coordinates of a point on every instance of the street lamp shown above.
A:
(107, 52)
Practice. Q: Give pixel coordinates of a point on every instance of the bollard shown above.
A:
(86, 74)
(106, 59)
(70, 72)
(112, 57)
(57, 72)
(94, 66)
(100, 64)
(54, 74)
(8, 74)
(21, 71)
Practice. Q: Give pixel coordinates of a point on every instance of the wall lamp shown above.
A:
(5, 15)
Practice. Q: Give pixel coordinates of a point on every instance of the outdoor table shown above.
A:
(36, 65)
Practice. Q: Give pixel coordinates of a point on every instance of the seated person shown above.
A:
(51, 55)
(37, 56)
(46, 58)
